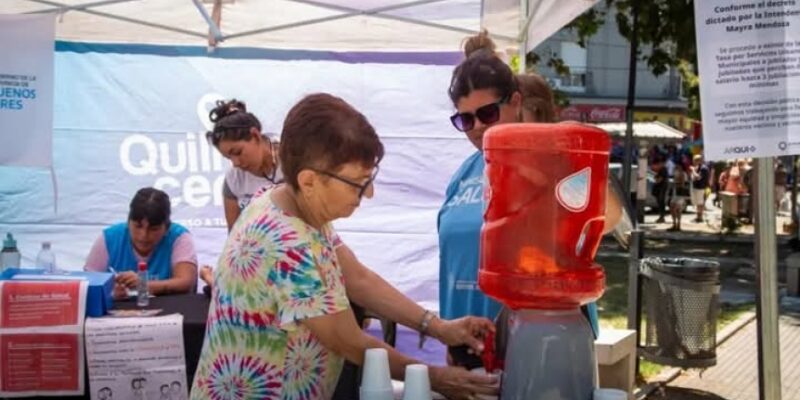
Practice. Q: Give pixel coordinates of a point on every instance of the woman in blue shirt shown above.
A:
(485, 92)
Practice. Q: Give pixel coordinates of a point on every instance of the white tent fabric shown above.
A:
(385, 25)
(654, 131)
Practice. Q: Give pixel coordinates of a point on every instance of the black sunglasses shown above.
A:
(362, 188)
(487, 114)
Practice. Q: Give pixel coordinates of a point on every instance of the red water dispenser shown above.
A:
(546, 189)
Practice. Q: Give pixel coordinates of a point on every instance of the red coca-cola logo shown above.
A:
(592, 113)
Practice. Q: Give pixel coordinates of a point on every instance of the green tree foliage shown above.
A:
(665, 31)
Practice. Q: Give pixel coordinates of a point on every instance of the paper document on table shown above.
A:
(41, 338)
(136, 358)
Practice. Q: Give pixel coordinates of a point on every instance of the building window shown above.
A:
(574, 57)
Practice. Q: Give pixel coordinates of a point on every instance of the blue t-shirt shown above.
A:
(120, 250)
(460, 220)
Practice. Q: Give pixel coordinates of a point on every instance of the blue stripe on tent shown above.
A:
(252, 53)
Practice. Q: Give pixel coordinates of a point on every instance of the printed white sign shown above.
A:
(27, 47)
(136, 358)
(749, 64)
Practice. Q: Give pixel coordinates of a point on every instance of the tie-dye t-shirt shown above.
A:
(274, 272)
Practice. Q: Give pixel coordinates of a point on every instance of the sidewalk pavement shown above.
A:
(712, 223)
(735, 377)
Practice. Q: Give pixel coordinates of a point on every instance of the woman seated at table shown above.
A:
(280, 324)
(149, 236)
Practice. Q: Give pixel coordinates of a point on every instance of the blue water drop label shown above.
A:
(573, 191)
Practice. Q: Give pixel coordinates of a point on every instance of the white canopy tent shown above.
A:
(348, 25)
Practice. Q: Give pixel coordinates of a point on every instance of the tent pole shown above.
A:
(522, 40)
(211, 24)
(769, 362)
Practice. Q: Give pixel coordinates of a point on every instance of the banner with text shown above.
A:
(130, 116)
(749, 61)
(26, 89)
(41, 337)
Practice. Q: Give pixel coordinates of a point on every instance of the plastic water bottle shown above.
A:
(9, 257)
(143, 295)
(46, 259)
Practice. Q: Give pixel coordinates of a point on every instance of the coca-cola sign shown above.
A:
(592, 113)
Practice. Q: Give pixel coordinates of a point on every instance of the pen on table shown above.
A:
(113, 271)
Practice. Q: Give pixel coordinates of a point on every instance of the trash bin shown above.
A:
(680, 297)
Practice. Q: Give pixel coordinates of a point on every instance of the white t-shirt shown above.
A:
(241, 185)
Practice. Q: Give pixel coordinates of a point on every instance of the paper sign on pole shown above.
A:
(41, 342)
(136, 358)
(749, 60)
(27, 47)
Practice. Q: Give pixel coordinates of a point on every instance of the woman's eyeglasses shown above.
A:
(487, 114)
(362, 188)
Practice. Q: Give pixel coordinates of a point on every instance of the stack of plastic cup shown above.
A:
(376, 380)
(610, 394)
(417, 383)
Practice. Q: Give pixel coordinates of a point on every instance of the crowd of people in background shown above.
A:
(681, 177)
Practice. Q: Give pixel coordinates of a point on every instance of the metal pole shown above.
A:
(523, 36)
(769, 363)
(626, 166)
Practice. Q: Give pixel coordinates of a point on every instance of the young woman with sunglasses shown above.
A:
(485, 92)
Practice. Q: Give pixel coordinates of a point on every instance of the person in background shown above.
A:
(781, 179)
(680, 193)
(660, 187)
(279, 308)
(701, 177)
(148, 236)
(238, 137)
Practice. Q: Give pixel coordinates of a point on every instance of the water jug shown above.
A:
(545, 206)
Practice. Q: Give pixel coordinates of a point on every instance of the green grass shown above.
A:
(613, 307)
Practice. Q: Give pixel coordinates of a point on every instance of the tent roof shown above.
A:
(339, 25)
(301, 24)
(654, 131)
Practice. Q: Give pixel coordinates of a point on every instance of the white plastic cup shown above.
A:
(610, 394)
(376, 380)
(366, 394)
(417, 383)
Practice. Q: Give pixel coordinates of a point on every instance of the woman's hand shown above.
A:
(120, 292)
(457, 383)
(207, 275)
(468, 331)
(128, 279)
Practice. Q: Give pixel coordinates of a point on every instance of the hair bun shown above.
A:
(226, 108)
(478, 42)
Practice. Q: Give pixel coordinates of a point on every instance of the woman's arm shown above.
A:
(232, 211)
(184, 277)
(614, 207)
(368, 289)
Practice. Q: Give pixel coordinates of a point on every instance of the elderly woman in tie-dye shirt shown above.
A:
(280, 326)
